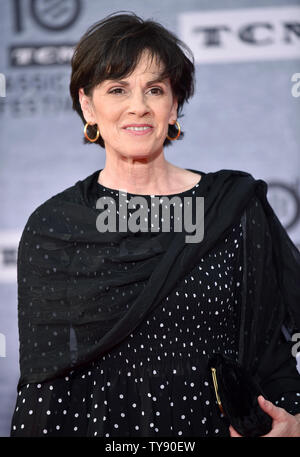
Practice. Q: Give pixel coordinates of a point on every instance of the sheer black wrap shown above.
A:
(67, 318)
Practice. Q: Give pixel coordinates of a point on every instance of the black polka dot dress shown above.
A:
(156, 381)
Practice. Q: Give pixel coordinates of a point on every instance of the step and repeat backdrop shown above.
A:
(245, 114)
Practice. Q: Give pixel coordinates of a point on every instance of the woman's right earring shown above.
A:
(92, 140)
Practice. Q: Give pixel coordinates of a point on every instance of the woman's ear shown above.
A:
(173, 113)
(86, 106)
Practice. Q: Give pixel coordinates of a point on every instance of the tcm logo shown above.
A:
(243, 34)
(42, 54)
(51, 15)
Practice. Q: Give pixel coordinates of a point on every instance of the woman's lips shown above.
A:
(138, 130)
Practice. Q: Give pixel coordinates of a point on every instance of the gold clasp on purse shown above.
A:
(214, 376)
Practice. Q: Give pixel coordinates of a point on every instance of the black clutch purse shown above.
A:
(236, 392)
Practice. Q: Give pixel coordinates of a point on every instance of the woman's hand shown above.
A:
(284, 424)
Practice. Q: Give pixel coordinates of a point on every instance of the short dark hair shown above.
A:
(111, 48)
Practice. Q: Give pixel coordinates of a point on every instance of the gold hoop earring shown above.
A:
(92, 140)
(178, 134)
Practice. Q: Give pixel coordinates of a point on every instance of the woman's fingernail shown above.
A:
(263, 400)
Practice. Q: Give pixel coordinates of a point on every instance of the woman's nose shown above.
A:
(138, 103)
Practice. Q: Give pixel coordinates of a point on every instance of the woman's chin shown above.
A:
(138, 153)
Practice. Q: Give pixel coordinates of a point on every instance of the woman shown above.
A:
(117, 326)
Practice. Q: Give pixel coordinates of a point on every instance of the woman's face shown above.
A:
(133, 114)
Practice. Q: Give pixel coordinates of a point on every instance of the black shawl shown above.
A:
(72, 279)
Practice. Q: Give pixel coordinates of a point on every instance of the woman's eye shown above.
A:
(156, 90)
(118, 90)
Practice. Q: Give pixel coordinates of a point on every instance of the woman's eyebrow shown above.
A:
(157, 80)
(126, 83)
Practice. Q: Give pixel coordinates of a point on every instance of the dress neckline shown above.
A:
(123, 192)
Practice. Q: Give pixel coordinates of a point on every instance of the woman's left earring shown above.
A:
(178, 133)
(92, 140)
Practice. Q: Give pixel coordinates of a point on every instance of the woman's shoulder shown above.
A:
(56, 200)
(225, 173)
(234, 172)
(73, 194)
(50, 210)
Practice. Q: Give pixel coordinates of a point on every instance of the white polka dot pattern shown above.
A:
(155, 382)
